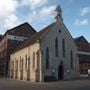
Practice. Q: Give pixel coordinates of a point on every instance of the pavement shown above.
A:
(9, 84)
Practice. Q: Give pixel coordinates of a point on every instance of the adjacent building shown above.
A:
(9, 41)
(50, 54)
(84, 54)
(1, 37)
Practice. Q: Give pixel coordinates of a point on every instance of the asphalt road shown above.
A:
(8, 84)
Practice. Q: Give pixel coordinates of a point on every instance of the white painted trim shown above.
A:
(18, 38)
(83, 53)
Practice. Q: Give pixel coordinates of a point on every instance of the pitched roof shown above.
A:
(35, 37)
(82, 44)
(25, 26)
(21, 27)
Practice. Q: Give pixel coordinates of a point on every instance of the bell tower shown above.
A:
(59, 14)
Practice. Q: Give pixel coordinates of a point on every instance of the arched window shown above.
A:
(47, 58)
(33, 59)
(16, 65)
(63, 48)
(71, 57)
(12, 66)
(20, 63)
(56, 47)
(26, 61)
(38, 59)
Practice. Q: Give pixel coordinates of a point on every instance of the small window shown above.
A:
(85, 65)
(59, 31)
(81, 71)
(86, 71)
(88, 65)
(15, 37)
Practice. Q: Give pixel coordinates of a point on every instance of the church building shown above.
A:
(50, 54)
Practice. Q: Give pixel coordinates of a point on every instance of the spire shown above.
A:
(58, 14)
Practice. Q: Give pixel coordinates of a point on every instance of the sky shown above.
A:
(40, 13)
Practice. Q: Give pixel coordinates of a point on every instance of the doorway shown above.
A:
(60, 71)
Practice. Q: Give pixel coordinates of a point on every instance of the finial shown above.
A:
(59, 13)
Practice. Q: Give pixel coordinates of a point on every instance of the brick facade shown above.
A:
(83, 54)
(10, 40)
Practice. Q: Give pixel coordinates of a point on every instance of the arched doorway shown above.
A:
(60, 71)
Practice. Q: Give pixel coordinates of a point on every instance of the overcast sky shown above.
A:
(40, 13)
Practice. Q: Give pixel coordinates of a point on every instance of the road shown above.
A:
(8, 84)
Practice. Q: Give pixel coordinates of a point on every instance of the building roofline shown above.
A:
(18, 27)
(37, 36)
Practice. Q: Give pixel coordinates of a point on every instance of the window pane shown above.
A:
(63, 48)
(47, 58)
(56, 47)
(71, 55)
